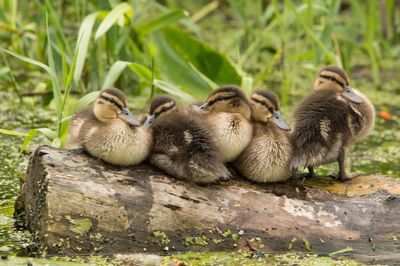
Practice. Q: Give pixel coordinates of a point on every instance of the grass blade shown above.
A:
(13, 133)
(112, 17)
(31, 134)
(85, 32)
(168, 88)
(162, 21)
(54, 80)
(119, 67)
(52, 74)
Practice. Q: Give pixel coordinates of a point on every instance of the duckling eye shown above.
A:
(270, 109)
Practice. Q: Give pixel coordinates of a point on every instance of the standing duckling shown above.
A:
(329, 121)
(183, 147)
(267, 157)
(227, 111)
(108, 131)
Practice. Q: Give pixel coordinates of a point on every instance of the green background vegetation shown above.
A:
(56, 55)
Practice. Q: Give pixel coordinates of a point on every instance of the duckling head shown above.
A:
(160, 106)
(332, 77)
(265, 108)
(110, 105)
(228, 99)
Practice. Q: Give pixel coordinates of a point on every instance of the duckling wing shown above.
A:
(78, 127)
(320, 128)
(191, 151)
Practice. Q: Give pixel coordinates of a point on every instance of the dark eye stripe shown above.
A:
(220, 98)
(341, 84)
(112, 101)
(164, 109)
(270, 109)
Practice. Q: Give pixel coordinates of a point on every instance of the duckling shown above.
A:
(267, 157)
(183, 147)
(108, 131)
(329, 121)
(228, 113)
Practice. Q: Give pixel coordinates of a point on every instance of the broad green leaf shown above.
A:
(175, 70)
(210, 83)
(85, 32)
(118, 67)
(161, 21)
(169, 88)
(141, 71)
(175, 49)
(13, 133)
(112, 17)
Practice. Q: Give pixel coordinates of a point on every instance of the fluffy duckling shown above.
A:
(267, 157)
(108, 131)
(183, 147)
(329, 121)
(227, 112)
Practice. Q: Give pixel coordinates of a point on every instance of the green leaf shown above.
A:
(215, 65)
(341, 251)
(168, 88)
(28, 139)
(247, 85)
(112, 17)
(48, 133)
(118, 67)
(13, 133)
(210, 83)
(4, 70)
(85, 32)
(307, 244)
(141, 71)
(175, 49)
(86, 100)
(161, 21)
(56, 86)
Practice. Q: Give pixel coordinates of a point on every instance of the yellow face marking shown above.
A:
(163, 107)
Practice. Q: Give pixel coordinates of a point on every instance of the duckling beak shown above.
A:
(351, 95)
(200, 109)
(127, 117)
(203, 107)
(149, 121)
(277, 119)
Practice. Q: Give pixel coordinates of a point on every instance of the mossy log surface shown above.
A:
(74, 204)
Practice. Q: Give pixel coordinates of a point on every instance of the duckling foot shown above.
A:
(303, 176)
(343, 177)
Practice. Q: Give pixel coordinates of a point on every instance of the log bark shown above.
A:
(74, 204)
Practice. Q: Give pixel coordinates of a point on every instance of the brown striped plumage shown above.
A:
(329, 121)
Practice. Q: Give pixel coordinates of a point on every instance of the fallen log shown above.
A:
(74, 204)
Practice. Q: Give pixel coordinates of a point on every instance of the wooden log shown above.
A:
(74, 204)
